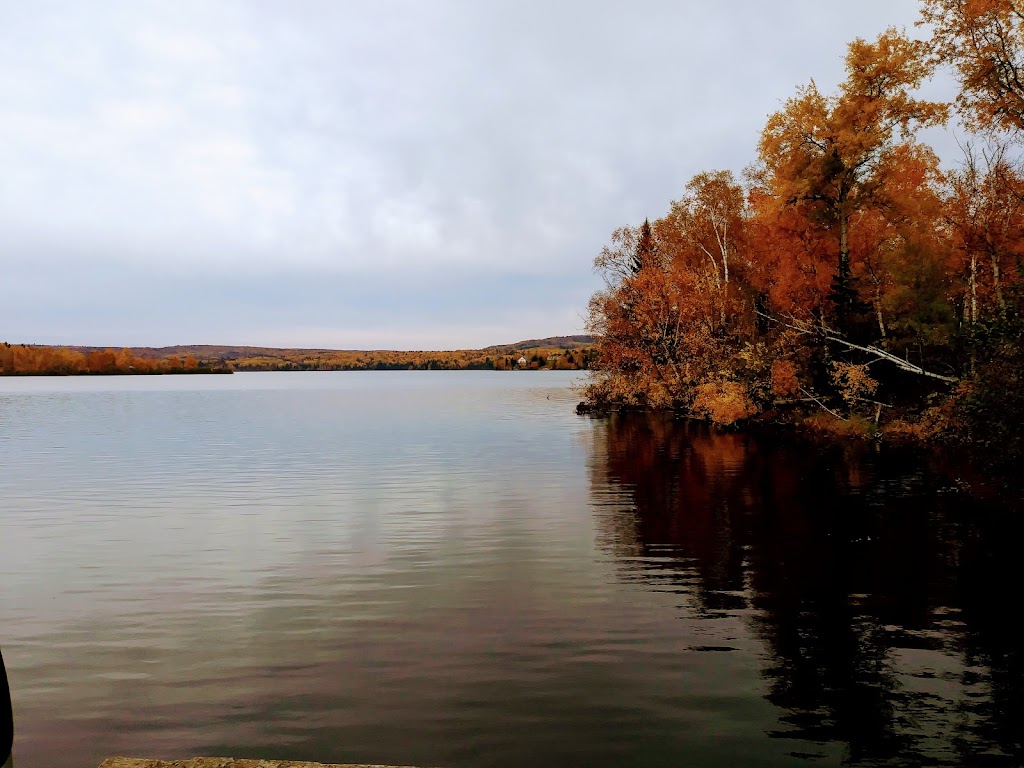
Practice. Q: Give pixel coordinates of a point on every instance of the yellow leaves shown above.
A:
(819, 149)
(640, 390)
(891, 65)
(984, 41)
(723, 402)
(853, 382)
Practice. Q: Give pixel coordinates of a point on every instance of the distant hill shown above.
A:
(227, 353)
(551, 342)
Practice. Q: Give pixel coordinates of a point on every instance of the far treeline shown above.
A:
(848, 280)
(33, 360)
(554, 353)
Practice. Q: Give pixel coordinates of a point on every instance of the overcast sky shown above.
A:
(422, 174)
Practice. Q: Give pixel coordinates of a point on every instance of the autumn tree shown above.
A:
(985, 212)
(792, 257)
(125, 360)
(633, 319)
(899, 250)
(104, 361)
(851, 256)
(983, 40)
(826, 154)
(671, 332)
(709, 218)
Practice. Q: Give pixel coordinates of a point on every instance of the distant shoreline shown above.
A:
(552, 353)
(37, 374)
(208, 371)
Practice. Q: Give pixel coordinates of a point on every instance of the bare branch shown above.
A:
(880, 354)
(824, 407)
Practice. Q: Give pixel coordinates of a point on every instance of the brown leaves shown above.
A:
(784, 381)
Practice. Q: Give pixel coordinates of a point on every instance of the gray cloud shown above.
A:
(369, 173)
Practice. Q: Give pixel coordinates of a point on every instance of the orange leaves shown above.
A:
(784, 380)
(792, 257)
(880, 77)
(983, 40)
(723, 402)
(831, 159)
(664, 326)
(849, 240)
(101, 362)
(984, 209)
(793, 146)
(28, 360)
(707, 224)
(822, 150)
(24, 360)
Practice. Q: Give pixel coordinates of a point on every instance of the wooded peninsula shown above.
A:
(847, 281)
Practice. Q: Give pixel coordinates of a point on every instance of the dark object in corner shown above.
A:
(6, 716)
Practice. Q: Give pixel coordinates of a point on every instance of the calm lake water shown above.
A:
(454, 569)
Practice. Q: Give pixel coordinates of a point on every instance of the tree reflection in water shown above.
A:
(885, 599)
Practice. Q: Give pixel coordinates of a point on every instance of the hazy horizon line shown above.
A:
(293, 348)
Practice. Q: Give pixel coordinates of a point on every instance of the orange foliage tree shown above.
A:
(835, 259)
(983, 40)
(675, 312)
(828, 155)
(985, 213)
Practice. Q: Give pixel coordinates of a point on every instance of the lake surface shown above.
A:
(454, 569)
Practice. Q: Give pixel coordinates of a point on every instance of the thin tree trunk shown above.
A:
(974, 289)
(842, 285)
(878, 305)
(997, 285)
(844, 245)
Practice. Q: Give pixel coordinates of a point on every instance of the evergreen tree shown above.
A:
(645, 249)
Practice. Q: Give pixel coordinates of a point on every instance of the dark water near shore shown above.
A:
(454, 569)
